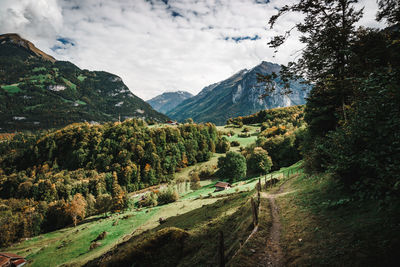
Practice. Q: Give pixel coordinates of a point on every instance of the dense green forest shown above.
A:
(353, 109)
(41, 174)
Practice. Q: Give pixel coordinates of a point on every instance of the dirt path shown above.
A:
(273, 253)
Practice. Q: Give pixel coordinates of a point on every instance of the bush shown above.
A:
(232, 167)
(223, 145)
(194, 180)
(244, 135)
(168, 195)
(207, 173)
(235, 143)
(148, 200)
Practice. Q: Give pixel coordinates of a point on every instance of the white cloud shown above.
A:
(153, 46)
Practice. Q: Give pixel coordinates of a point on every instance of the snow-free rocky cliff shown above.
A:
(238, 95)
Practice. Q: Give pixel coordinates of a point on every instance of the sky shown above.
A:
(158, 45)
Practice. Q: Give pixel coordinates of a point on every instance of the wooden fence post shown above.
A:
(265, 179)
(255, 212)
(258, 192)
(221, 249)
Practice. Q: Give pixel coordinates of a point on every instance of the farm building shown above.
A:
(172, 122)
(222, 186)
(11, 260)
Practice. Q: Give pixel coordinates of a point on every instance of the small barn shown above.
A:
(172, 122)
(222, 186)
(11, 260)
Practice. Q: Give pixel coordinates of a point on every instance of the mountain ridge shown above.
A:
(18, 40)
(238, 95)
(38, 92)
(168, 100)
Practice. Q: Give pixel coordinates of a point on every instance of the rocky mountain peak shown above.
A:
(16, 39)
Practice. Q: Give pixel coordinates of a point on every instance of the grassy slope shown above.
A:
(322, 226)
(45, 249)
(244, 141)
(231, 215)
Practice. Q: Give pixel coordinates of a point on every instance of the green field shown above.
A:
(40, 78)
(11, 88)
(69, 84)
(81, 77)
(80, 102)
(244, 141)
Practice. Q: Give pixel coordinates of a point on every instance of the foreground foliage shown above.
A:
(323, 226)
(353, 109)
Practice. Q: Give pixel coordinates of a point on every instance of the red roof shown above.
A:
(222, 184)
(7, 258)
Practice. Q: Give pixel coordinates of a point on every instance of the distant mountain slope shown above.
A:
(237, 96)
(168, 100)
(38, 92)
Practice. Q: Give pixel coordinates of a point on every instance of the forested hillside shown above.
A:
(38, 92)
(42, 173)
(272, 117)
(281, 133)
(353, 109)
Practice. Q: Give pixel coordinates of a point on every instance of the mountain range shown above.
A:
(168, 100)
(39, 92)
(238, 95)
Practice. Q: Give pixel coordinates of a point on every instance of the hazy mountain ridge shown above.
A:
(38, 92)
(168, 100)
(238, 95)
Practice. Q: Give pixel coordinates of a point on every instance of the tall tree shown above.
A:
(389, 10)
(232, 167)
(77, 208)
(327, 32)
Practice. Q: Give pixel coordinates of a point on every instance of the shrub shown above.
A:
(223, 145)
(235, 143)
(168, 195)
(244, 135)
(207, 173)
(149, 200)
(194, 180)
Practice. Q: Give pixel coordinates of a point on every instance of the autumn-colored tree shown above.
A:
(119, 198)
(77, 208)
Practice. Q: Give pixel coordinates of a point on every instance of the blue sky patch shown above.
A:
(62, 43)
(239, 39)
